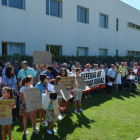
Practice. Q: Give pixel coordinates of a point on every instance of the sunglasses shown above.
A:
(25, 73)
(2, 92)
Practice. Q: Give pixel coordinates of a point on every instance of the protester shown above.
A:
(7, 94)
(42, 87)
(117, 77)
(40, 71)
(55, 71)
(66, 67)
(16, 68)
(87, 66)
(26, 71)
(135, 68)
(48, 72)
(50, 115)
(9, 80)
(123, 70)
(106, 71)
(73, 72)
(111, 78)
(27, 83)
(6, 65)
(77, 93)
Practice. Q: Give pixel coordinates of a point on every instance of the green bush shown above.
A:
(60, 59)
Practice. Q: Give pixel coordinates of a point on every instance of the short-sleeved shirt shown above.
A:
(22, 73)
(54, 73)
(10, 82)
(48, 74)
(111, 73)
(86, 70)
(123, 70)
(42, 88)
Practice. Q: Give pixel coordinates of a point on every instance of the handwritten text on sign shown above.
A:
(94, 78)
(32, 98)
(5, 110)
(68, 81)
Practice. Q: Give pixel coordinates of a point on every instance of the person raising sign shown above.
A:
(27, 82)
(7, 94)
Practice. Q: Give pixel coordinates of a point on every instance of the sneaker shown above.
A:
(36, 128)
(89, 96)
(42, 124)
(53, 130)
(36, 132)
(26, 133)
(49, 132)
(81, 110)
(75, 111)
(86, 97)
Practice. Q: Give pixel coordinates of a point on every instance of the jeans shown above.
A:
(109, 88)
(121, 85)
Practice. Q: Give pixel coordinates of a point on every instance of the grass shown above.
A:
(105, 118)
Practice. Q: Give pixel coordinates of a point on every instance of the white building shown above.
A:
(70, 27)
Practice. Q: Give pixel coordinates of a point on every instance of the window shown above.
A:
(103, 21)
(116, 52)
(54, 7)
(82, 14)
(82, 51)
(133, 53)
(14, 3)
(117, 24)
(54, 49)
(13, 48)
(132, 25)
(103, 52)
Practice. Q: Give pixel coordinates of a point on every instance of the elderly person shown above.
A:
(73, 72)
(87, 68)
(26, 71)
(111, 78)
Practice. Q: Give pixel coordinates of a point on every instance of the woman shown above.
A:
(9, 80)
(117, 77)
(127, 69)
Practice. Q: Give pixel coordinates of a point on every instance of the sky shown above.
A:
(133, 3)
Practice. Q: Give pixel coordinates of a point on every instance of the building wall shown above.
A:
(36, 29)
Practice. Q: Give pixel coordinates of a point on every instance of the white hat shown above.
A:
(7, 63)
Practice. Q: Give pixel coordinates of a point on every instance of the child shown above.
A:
(77, 93)
(50, 115)
(27, 82)
(59, 97)
(7, 94)
(50, 86)
(42, 87)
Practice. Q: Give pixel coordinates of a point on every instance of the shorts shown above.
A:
(77, 95)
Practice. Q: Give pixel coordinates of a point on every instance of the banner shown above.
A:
(68, 82)
(61, 90)
(57, 110)
(95, 79)
(5, 110)
(32, 98)
(42, 57)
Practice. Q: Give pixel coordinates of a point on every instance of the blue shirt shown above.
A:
(48, 74)
(42, 88)
(111, 73)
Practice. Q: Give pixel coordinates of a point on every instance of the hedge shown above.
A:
(60, 59)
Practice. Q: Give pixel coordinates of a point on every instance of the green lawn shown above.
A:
(105, 118)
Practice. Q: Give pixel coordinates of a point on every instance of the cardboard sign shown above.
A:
(61, 90)
(5, 110)
(42, 57)
(68, 82)
(32, 98)
(56, 110)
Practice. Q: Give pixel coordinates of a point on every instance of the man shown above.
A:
(54, 71)
(40, 71)
(6, 65)
(16, 68)
(123, 69)
(111, 77)
(26, 71)
(48, 72)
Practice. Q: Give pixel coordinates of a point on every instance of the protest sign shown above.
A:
(42, 57)
(95, 79)
(56, 110)
(81, 83)
(32, 98)
(61, 90)
(5, 110)
(68, 82)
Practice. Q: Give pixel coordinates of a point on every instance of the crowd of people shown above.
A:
(14, 78)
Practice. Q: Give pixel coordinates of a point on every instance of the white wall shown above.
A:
(36, 29)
